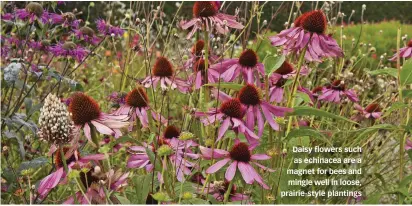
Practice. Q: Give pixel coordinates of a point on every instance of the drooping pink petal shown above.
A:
(231, 171)
(50, 182)
(217, 166)
(245, 171)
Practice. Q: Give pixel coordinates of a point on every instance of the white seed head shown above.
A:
(55, 125)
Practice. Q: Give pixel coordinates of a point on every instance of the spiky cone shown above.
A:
(55, 125)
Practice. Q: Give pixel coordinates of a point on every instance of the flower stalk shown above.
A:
(291, 100)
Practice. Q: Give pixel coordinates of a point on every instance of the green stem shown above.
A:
(291, 100)
(403, 135)
(93, 133)
(229, 189)
(63, 158)
(82, 191)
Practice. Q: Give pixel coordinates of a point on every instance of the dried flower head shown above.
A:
(55, 124)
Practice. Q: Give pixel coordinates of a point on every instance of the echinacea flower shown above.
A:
(173, 136)
(313, 94)
(136, 105)
(197, 53)
(33, 11)
(308, 31)
(405, 52)
(67, 19)
(219, 188)
(241, 158)
(96, 182)
(69, 49)
(251, 97)
(87, 34)
(247, 64)
(372, 111)
(107, 29)
(206, 14)
(200, 70)
(164, 73)
(73, 160)
(86, 113)
(278, 79)
(139, 157)
(335, 91)
(230, 113)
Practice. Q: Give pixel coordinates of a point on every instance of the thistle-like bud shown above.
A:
(54, 122)
(164, 150)
(161, 197)
(186, 136)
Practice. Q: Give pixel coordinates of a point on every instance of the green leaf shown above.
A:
(407, 93)
(197, 201)
(123, 200)
(272, 63)
(305, 97)
(307, 111)
(186, 187)
(374, 128)
(28, 103)
(303, 132)
(373, 199)
(406, 73)
(152, 159)
(390, 71)
(141, 186)
(233, 86)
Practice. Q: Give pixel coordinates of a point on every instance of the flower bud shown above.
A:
(164, 150)
(161, 197)
(186, 136)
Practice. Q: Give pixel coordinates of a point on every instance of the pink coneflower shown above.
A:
(279, 78)
(372, 111)
(85, 112)
(139, 157)
(164, 73)
(313, 94)
(199, 69)
(219, 188)
(206, 13)
(230, 113)
(405, 52)
(32, 12)
(247, 64)
(107, 29)
(87, 34)
(309, 30)
(241, 157)
(67, 19)
(73, 160)
(197, 53)
(136, 105)
(335, 91)
(251, 97)
(69, 49)
(96, 182)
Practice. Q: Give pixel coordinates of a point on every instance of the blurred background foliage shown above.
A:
(375, 12)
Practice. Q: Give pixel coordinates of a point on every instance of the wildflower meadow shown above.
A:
(206, 102)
